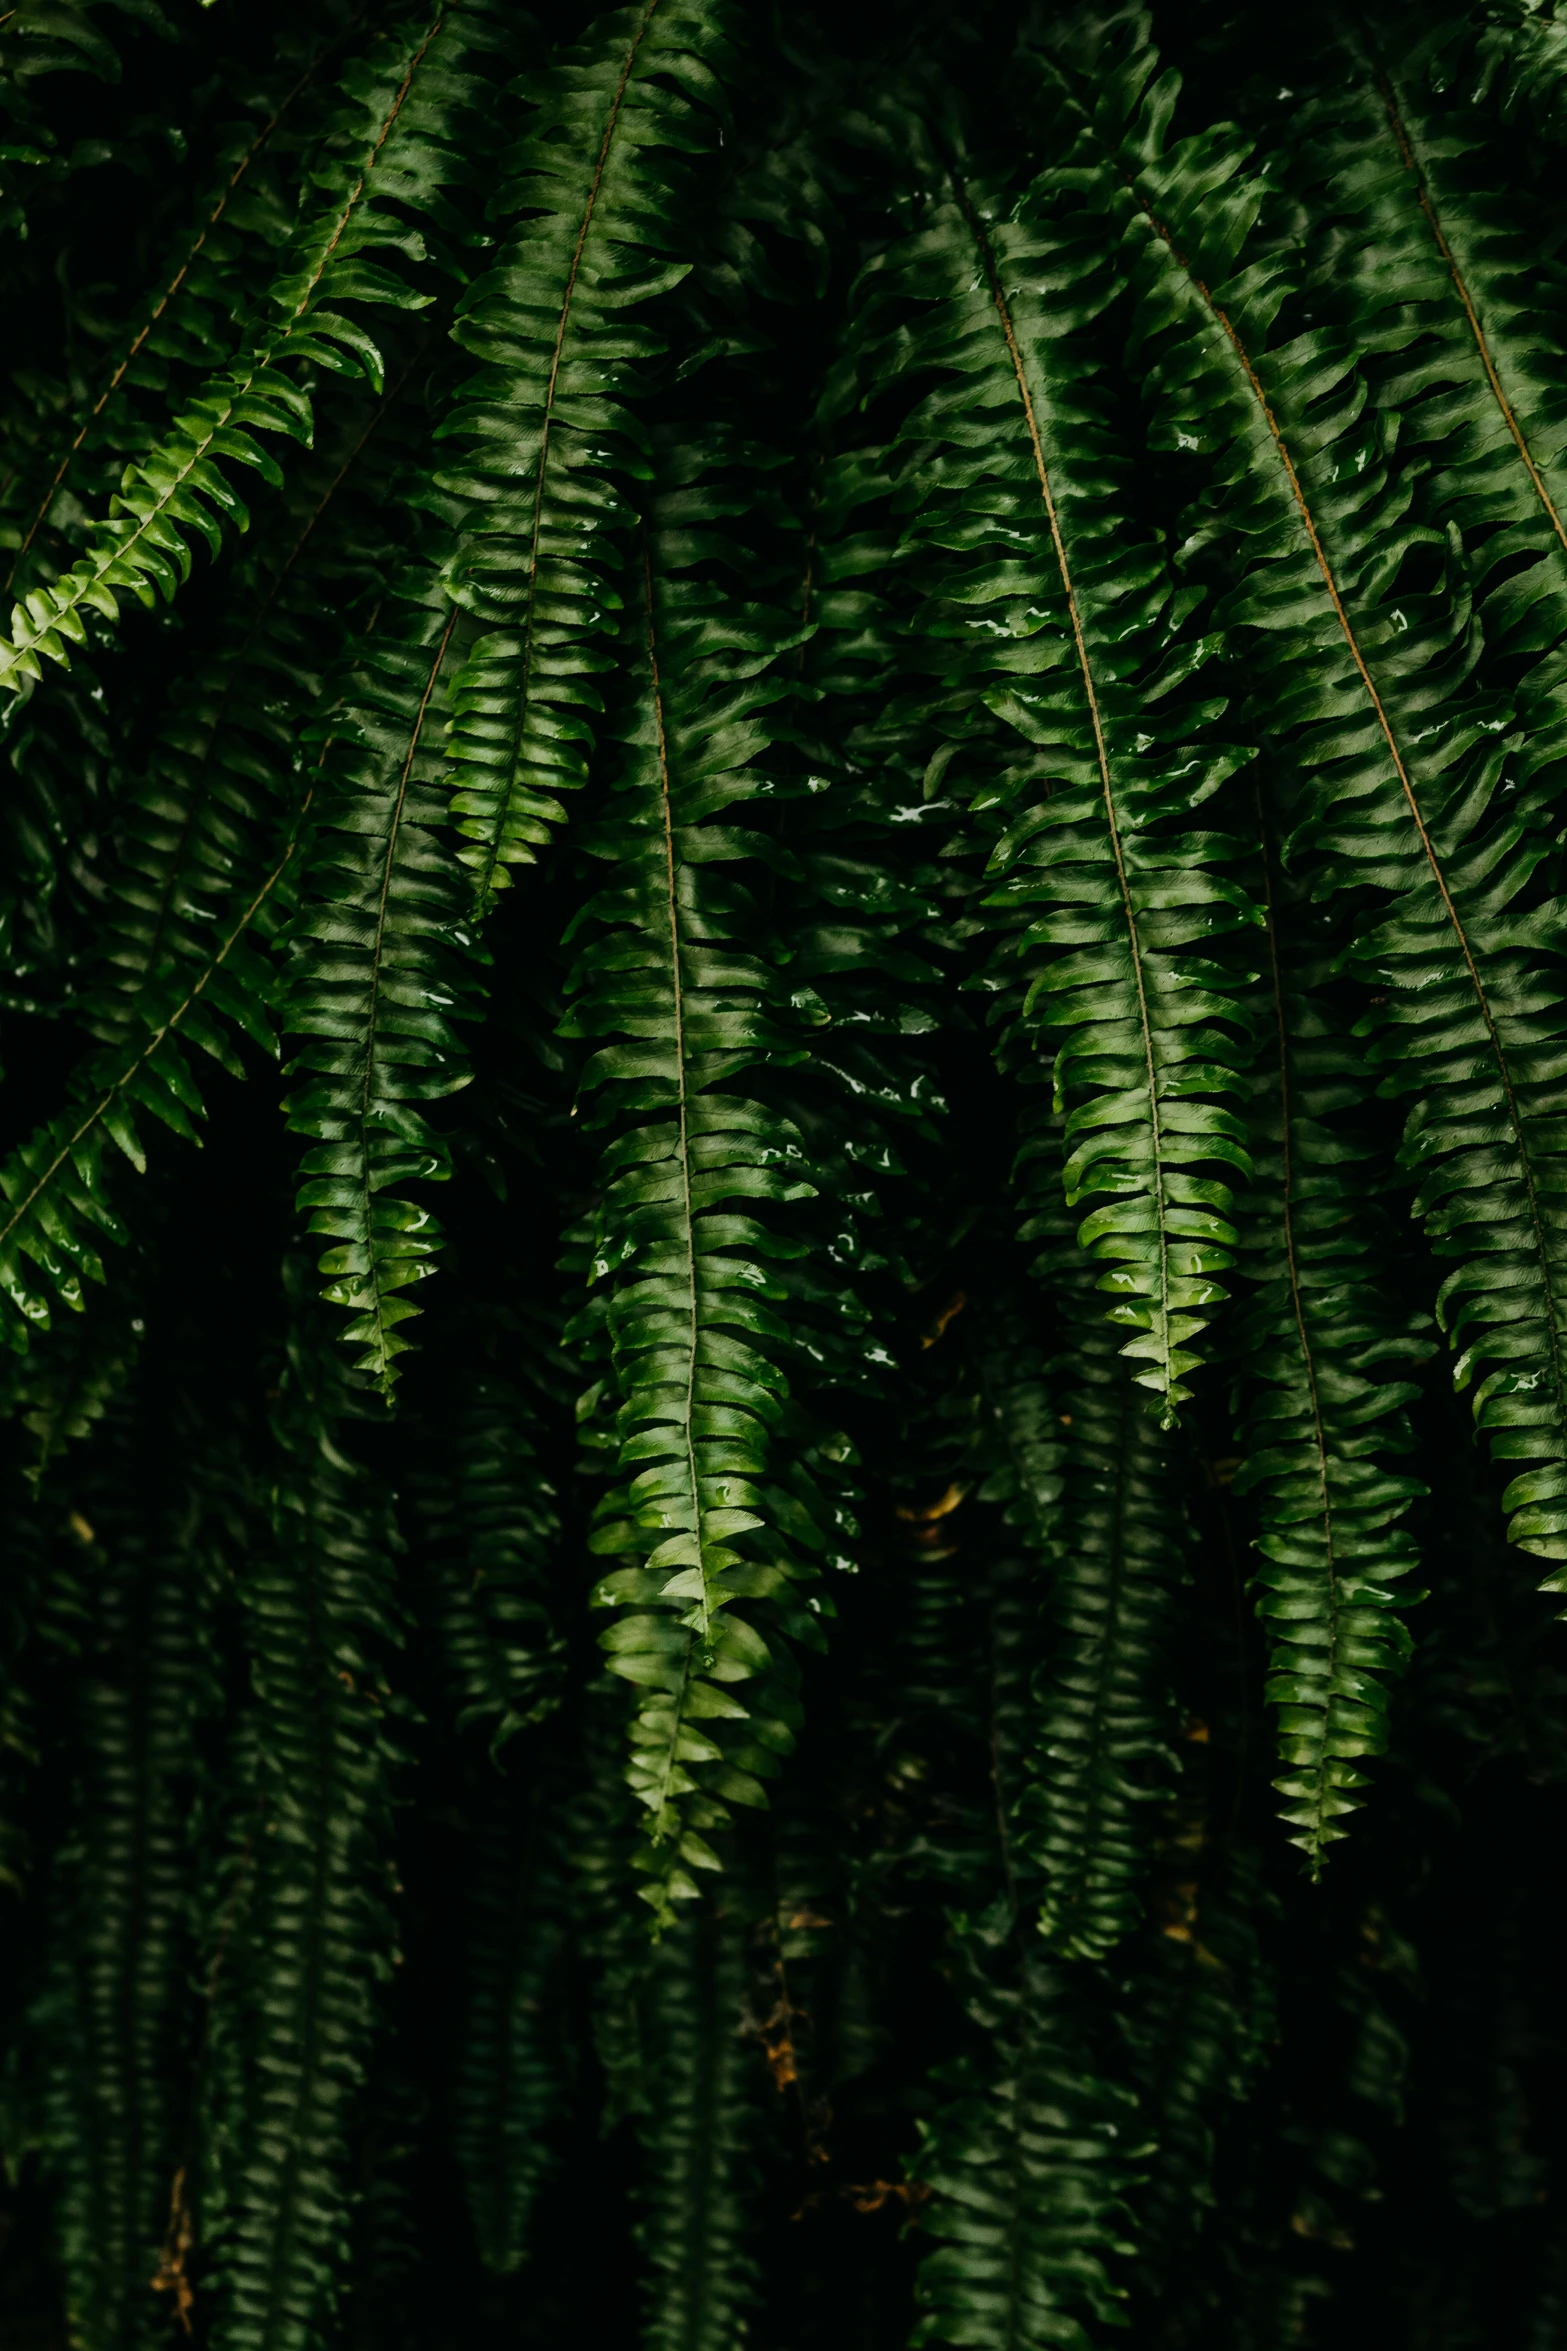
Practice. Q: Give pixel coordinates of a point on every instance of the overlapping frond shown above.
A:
(1393, 767)
(1324, 1347)
(408, 108)
(1049, 608)
(189, 323)
(674, 975)
(299, 1992)
(1103, 1724)
(380, 965)
(209, 837)
(547, 441)
(111, 2018)
(1028, 2172)
(1040, 612)
(1438, 281)
(491, 1522)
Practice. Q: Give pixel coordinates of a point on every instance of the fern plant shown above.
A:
(732, 1790)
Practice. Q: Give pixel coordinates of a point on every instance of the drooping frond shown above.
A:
(1101, 1734)
(674, 976)
(490, 1519)
(111, 2016)
(299, 1989)
(1040, 613)
(698, 2132)
(1326, 1423)
(1438, 282)
(207, 864)
(190, 322)
(1392, 767)
(1199, 2011)
(514, 2073)
(1027, 2169)
(1038, 575)
(546, 440)
(380, 963)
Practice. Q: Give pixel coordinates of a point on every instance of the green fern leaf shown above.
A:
(1438, 281)
(513, 2075)
(188, 326)
(1102, 1728)
(698, 2132)
(1327, 1423)
(390, 146)
(1392, 767)
(674, 980)
(1041, 612)
(1027, 2170)
(1200, 2014)
(492, 1523)
(209, 841)
(379, 966)
(548, 436)
(297, 2003)
(111, 2019)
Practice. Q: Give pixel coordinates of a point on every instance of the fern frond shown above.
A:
(297, 2003)
(1199, 2014)
(602, 1831)
(111, 2016)
(190, 324)
(380, 964)
(1393, 768)
(548, 438)
(393, 145)
(210, 840)
(1028, 2169)
(675, 976)
(1042, 610)
(1102, 1723)
(55, 1192)
(1439, 282)
(1511, 53)
(698, 2131)
(513, 2076)
(1326, 1424)
(492, 1522)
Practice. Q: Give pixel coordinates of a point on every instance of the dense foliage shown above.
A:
(783, 1266)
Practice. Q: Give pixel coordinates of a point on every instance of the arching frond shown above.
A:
(399, 138)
